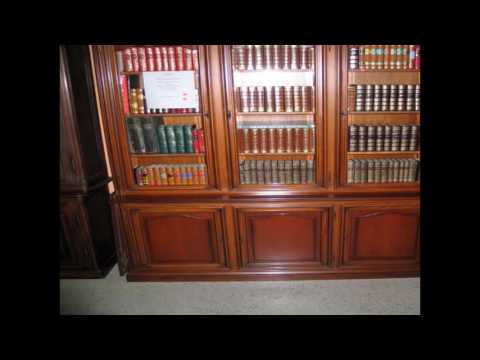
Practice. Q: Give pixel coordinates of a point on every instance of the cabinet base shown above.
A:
(268, 276)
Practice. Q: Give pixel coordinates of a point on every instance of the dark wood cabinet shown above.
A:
(284, 237)
(86, 233)
(376, 235)
(278, 202)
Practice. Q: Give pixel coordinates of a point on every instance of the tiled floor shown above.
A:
(114, 295)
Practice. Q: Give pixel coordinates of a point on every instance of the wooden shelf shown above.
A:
(389, 117)
(384, 77)
(274, 113)
(277, 156)
(274, 70)
(148, 159)
(168, 155)
(164, 115)
(383, 155)
(384, 70)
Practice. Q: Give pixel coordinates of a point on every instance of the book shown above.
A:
(380, 138)
(127, 60)
(135, 126)
(413, 143)
(362, 138)
(179, 58)
(133, 139)
(133, 101)
(201, 141)
(370, 171)
(141, 101)
(171, 59)
(165, 59)
(171, 139)
(162, 139)
(371, 138)
(353, 138)
(125, 95)
(187, 133)
(158, 58)
(150, 135)
(404, 138)
(135, 62)
(142, 59)
(150, 58)
(179, 138)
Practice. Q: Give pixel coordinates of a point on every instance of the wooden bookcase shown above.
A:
(234, 229)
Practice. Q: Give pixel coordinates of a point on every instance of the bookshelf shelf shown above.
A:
(260, 71)
(165, 115)
(290, 113)
(383, 155)
(281, 156)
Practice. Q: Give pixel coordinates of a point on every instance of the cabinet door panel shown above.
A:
(284, 237)
(381, 235)
(173, 239)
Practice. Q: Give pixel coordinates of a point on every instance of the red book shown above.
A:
(127, 60)
(171, 59)
(150, 59)
(188, 59)
(124, 87)
(179, 58)
(201, 141)
(195, 59)
(417, 57)
(158, 59)
(136, 66)
(165, 58)
(142, 59)
(195, 143)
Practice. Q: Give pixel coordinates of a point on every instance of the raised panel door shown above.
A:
(284, 238)
(376, 236)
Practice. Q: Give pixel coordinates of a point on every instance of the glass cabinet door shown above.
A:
(273, 98)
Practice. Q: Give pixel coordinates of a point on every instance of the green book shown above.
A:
(149, 133)
(179, 138)
(138, 130)
(171, 141)
(187, 133)
(132, 136)
(162, 139)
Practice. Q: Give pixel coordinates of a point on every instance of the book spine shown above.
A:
(188, 59)
(258, 57)
(171, 140)
(380, 57)
(119, 58)
(250, 57)
(135, 62)
(417, 57)
(368, 97)
(268, 56)
(162, 139)
(179, 138)
(349, 171)
(127, 60)
(165, 62)
(150, 59)
(158, 58)
(373, 57)
(133, 101)
(149, 133)
(352, 93)
(393, 57)
(137, 127)
(138, 175)
(288, 92)
(187, 133)
(356, 171)
(413, 144)
(386, 57)
(380, 138)
(404, 138)
(371, 138)
(393, 98)
(260, 90)
(201, 141)
(362, 138)
(142, 59)
(353, 138)
(196, 147)
(353, 57)
(370, 171)
(417, 97)
(411, 57)
(132, 136)
(124, 89)
(140, 101)
(278, 99)
(377, 97)
(361, 57)
(387, 142)
(253, 101)
(179, 58)
(359, 97)
(377, 171)
(171, 58)
(396, 134)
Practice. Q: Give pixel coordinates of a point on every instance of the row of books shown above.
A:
(275, 57)
(157, 58)
(148, 135)
(276, 172)
(276, 139)
(383, 137)
(384, 57)
(384, 97)
(275, 98)
(383, 171)
(134, 101)
(171, 174)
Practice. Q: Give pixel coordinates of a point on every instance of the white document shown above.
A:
(170, 89)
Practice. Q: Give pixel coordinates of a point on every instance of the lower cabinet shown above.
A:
(284, 237)
(86, 239)
(380, 236)
(175, 239)
(272, 240)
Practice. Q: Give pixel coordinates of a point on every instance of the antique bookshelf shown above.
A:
(284, 222)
